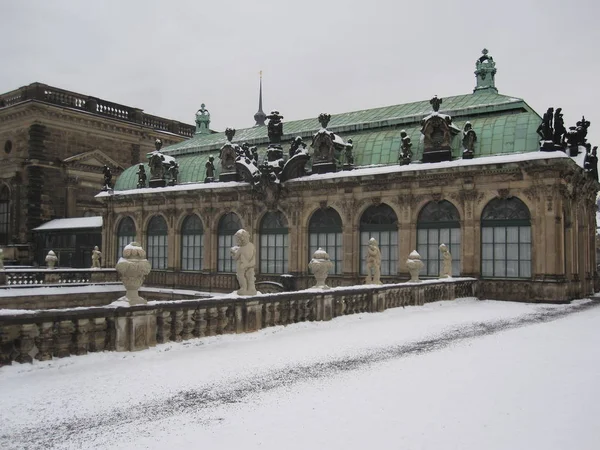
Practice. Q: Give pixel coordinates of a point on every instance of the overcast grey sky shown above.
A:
(317, 56)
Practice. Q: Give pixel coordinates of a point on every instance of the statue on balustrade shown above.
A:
(96, 255)
(107, 178)
(405, 149)
(156, 166)
(468, 141)
(559, 128)
(210, 169)
(141, 173)
(545, 129)
(244, 255)
(373, 261)
(446, 269)
(173, 172)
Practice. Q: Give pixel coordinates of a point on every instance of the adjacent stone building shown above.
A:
(55, 144)
(467, 171)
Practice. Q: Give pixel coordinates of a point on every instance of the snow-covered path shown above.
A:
(463, 374)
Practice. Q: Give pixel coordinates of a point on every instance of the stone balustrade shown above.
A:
(37, 276)
(56, 96)
(42, 335)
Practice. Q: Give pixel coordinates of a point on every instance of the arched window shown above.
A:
(191, 243)
(274, 243)
(228, 226)
(4, 214)
(506, 239)
(380, 222)
(157, 243)
(438, 223)
(325, 230)
(125, 234)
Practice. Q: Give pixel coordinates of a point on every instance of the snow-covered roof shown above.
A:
(72, 223)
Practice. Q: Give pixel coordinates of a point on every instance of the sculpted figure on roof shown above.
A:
(468, 141)
(275, 127)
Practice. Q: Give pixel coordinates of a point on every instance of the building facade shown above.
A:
(467, 171)
(56, 143)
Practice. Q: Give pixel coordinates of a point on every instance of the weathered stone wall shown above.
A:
(46, 334)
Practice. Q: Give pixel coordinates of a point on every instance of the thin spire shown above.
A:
(260, 116)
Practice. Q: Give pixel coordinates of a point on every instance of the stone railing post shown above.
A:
(324, 304)
(253, 316)
(136, 331)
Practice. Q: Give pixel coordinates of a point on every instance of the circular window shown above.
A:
(8, 146)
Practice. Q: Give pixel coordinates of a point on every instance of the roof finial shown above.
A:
(485, 72)
(260, 116)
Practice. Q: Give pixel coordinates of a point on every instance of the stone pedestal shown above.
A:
(326, 167)
(51, 277)
(253, 316)
(228, 176)
(324, 307)
(136, 331)
(432, 156)
(157, 183)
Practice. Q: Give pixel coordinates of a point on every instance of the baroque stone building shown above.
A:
(512, 194)
(55, 144)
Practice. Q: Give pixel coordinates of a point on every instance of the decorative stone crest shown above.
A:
(51, 259)
(438, 131)
(228, 155)
(414, 265)
(96, 255)
(446, 268)
(327, 148)
(244, 255)
(485, 71)
(320, 265)
(133, 268)
(295, 166)
(373, 260)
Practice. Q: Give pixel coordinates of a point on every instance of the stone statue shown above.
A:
(405, 149)
(133, 268)
(202, 120)
(107, 178)
(158, 144)
(545, 129)
(51, 259)
(414, 265)
(173, 172)
(594, 163)
(559, 128)
(446, 269)
(244, 255)
(324, 119)
(349, 157)
(320, 265)
(254, 153)
(582, 127)
(96, 255)
(141, 173)
(468, 141)
(373, 260)
(210, 170)
(435, 103)
(297, 146)
(275, 127)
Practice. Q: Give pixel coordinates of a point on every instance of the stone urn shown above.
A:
(320, 265)
(414, 265)
(51, 259)
(133, 268)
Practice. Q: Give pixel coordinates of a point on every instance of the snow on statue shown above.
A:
(446, 269)
(96, 255)
(373, 263)
(243, 253)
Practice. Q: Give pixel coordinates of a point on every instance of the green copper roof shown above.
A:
(477, 103)
(497, 133)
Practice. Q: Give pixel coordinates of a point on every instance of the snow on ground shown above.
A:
(463, 375)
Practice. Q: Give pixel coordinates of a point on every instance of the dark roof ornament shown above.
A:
(275, 128)
(260, 116)
(230, 133)
(324, 119)
(202, 120)
(485, 71)
(435, 103)
(158, 145)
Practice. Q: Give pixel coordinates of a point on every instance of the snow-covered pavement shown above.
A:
(452, 375)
